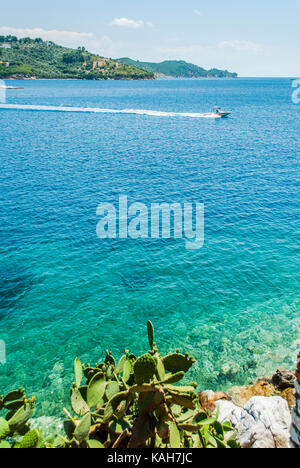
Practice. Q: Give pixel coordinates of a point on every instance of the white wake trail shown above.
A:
(97, 110)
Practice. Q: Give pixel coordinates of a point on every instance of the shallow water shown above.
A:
(234, 304)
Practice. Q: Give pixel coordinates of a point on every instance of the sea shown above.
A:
(68, 146)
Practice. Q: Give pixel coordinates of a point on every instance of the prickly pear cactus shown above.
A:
(136, 403)
(16, 422)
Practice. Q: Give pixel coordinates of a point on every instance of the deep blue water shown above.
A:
(234, 304)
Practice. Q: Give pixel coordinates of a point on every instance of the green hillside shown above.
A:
(28, 58)
(178, 69)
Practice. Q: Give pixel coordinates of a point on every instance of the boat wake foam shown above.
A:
(97, 110)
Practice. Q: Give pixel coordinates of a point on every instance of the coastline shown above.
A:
(11, 78)
(260, 414)
(281, 384)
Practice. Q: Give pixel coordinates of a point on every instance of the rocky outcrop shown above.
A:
(295, 431)
(264, 422)
(265, 414)
(209, 398)
(279, 385)
(241, 395)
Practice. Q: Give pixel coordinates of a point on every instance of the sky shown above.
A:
(252, 38)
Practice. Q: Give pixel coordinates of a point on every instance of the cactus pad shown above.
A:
(96, 390)
(82, 430)
(78, 404)
(20, 418)
(4, 428)
(150, 329)
(14, 395)
(30, 440)
(78, 371)
(178, 362)
(144, 369)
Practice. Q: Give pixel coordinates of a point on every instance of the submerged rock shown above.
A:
(262, 423)
(48, 425)
(283, 379)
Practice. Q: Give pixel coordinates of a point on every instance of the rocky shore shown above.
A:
(261, 413)
(264, 415)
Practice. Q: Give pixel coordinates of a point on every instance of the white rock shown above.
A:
(273, 420)
(237, 416)
(262, 423)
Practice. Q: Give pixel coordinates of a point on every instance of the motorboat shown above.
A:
(220, 113)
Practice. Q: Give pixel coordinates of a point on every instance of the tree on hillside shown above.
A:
(27, 40)
(11, 39)
(73, 57)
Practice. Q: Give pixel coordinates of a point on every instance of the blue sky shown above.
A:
(253, 38)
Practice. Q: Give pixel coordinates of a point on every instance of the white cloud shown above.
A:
(102, 45)
(129, 23)
(241, 46)
(215, 52)
(198, 12)
(185, 52)
(68, 38)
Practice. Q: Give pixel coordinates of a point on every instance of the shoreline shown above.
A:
(11, 78)
(260, 414)
(239, 78)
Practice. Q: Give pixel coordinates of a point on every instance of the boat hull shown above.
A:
(223, 114)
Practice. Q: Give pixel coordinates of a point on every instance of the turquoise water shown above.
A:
(234, 304)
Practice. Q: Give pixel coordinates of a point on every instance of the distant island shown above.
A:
(178, 69)
(34, 58)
